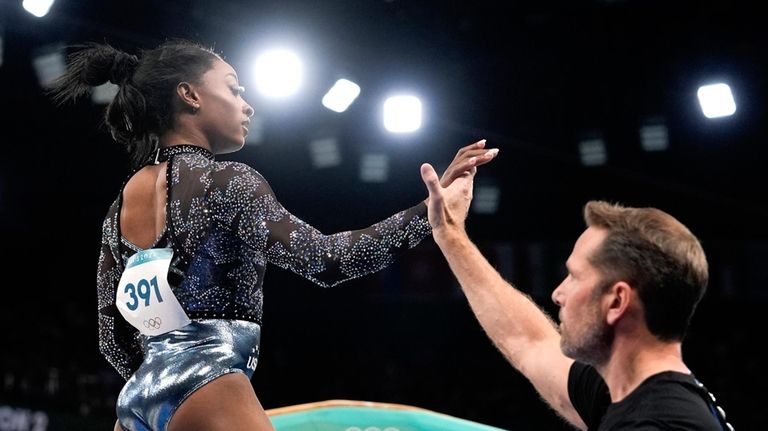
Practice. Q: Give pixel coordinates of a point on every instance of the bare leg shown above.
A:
(228, 403)
(118, 427)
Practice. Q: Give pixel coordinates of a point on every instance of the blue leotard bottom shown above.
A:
(179, 362)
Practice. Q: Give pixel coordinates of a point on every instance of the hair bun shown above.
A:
(123, 66)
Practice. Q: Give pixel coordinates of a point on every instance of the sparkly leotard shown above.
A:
(224, 224)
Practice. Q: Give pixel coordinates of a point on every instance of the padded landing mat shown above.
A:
(343, 415)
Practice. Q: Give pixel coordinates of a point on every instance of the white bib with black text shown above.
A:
(144, 296)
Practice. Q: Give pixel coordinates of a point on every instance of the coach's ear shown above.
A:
(617, 301)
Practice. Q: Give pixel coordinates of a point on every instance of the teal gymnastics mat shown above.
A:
(343, 415)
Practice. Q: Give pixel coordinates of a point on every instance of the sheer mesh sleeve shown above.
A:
(243, 201)
(118, 341)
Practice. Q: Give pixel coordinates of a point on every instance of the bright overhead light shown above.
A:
(402, 114)
(341, 95)
(38, 8)
(278, 73)
(716, 100)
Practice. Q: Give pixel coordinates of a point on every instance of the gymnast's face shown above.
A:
(223, 115)
(584, 332)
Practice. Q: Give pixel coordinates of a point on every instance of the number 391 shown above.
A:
(144, 290)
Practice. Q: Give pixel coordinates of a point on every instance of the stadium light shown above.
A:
(38, 8)
(374, 168)
(592, 152)
(341, 95)
(402, 114)
(279, 73)
(716, 100)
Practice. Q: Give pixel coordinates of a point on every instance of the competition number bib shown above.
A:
(144, 297)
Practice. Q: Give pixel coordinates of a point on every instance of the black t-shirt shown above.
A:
(665, 401)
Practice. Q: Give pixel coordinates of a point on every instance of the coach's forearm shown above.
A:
(509, 317)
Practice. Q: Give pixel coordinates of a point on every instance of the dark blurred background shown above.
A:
(569, 91)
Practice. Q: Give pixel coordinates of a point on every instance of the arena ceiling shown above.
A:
(536, 79)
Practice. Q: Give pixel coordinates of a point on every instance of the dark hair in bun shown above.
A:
(144, 106)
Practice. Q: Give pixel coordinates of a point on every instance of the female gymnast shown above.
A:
(187, 240)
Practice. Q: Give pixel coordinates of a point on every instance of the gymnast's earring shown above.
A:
(195, 107)
(155, 147)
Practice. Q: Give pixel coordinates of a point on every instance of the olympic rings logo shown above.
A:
(154, 323)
